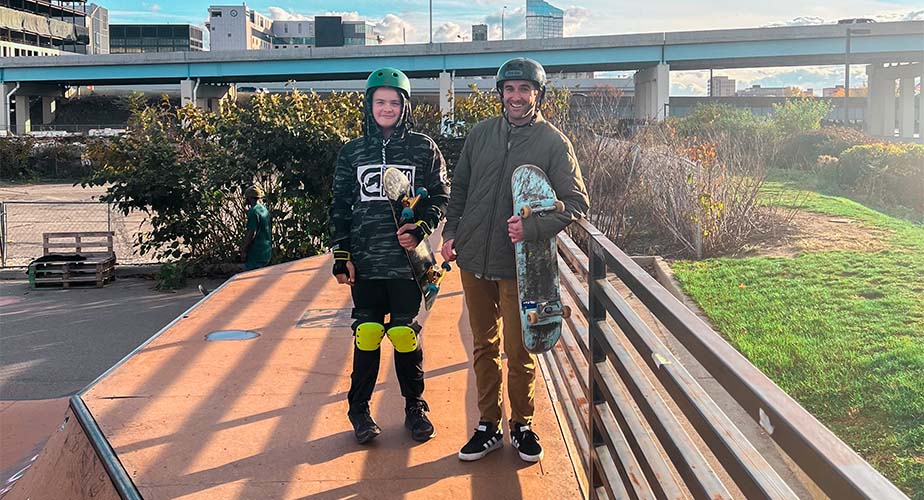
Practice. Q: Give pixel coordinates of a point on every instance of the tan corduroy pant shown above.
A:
(494, 315)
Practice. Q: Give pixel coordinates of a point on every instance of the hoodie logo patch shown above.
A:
(369, 178)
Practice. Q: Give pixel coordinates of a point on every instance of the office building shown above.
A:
(235, 27)
(292, 34)
(544, 20)
(721, 86)
(479, 32)
(358, 33)
(43, 28)
(758, 91)
(139, 38)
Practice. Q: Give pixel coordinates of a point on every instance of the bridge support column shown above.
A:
(49, 109)
(205, 96)
(652, 87)
(447, 100)
(906, 107)
(23, 119)
(873, 116)
(881, 101)
(187, 88)
(210, 96)
(5, 88)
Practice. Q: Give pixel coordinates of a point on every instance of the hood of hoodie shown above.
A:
(372, 129)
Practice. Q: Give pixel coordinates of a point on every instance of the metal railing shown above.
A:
(22, 224)
(644, 426)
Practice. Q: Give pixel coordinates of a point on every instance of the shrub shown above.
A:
(795, 116)
(186, 169)
(891, 174)
(14, 158)
(801, 151)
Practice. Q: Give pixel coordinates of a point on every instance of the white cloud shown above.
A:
(513, 20)
(280, 14)
(347, 16)
(575, 17)
(450, 32)
(155, 8)
(394, 29)
(798, 21)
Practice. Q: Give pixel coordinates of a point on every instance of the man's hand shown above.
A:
(408, 236)
(350, 277)
(515, 229)
(449, 251)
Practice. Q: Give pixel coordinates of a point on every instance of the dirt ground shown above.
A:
(813, 232)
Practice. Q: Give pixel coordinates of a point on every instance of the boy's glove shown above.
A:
(341, 257)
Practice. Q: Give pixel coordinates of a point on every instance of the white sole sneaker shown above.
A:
(470, 457)
(531, 458)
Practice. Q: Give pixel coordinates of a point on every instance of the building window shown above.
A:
(216, 13)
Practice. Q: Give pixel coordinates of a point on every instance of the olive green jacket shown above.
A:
(481, 198)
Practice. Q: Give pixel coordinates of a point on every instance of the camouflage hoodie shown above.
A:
(361, 217)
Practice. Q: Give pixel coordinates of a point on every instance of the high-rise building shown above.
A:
(544, 20)
(721, 86)
(138, 38)
(235, 27)
(43, 28)
(479, 32)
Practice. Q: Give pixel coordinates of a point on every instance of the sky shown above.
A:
(408, 20)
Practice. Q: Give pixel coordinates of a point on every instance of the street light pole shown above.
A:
(431, 21)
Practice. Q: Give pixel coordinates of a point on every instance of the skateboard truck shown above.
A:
(409, 202)
(435, 276)
(536, 311)
(527, 210)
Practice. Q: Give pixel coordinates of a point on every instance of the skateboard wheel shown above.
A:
(432, 289)
(526, 211)
(532, 317)
(407, 214)
(446, 266)
(422, 192)
(565, 312)
(559, 206)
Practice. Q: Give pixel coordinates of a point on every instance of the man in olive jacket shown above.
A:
(480, 231)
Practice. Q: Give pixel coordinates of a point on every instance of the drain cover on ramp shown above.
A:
(231, 335)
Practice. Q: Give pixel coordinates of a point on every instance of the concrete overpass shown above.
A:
(882, 46)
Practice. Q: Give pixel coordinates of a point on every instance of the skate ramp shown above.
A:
(184, 417)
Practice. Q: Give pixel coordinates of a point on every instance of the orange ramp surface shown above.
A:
(266, 417)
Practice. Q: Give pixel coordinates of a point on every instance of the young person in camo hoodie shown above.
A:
(370, 255)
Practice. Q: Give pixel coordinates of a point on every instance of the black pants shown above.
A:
(372, 300)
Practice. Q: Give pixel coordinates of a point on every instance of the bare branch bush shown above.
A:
(691, 195)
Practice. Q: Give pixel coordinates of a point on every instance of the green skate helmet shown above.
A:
(389, 77)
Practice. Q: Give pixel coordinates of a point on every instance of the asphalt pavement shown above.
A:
(53, 342)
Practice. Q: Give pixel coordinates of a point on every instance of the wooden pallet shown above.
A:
(87, 258)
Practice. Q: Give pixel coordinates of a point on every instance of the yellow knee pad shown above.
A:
(404, 338)
(369, 336)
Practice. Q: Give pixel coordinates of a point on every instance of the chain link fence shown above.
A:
(22, 224)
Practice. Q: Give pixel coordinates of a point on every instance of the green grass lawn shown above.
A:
(841, 332)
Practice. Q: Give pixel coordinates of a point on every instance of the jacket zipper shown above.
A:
(500, 183)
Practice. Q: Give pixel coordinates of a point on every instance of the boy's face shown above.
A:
(386, 107)
(519, 99)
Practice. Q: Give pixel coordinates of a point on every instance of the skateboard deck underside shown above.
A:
(537, 264)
